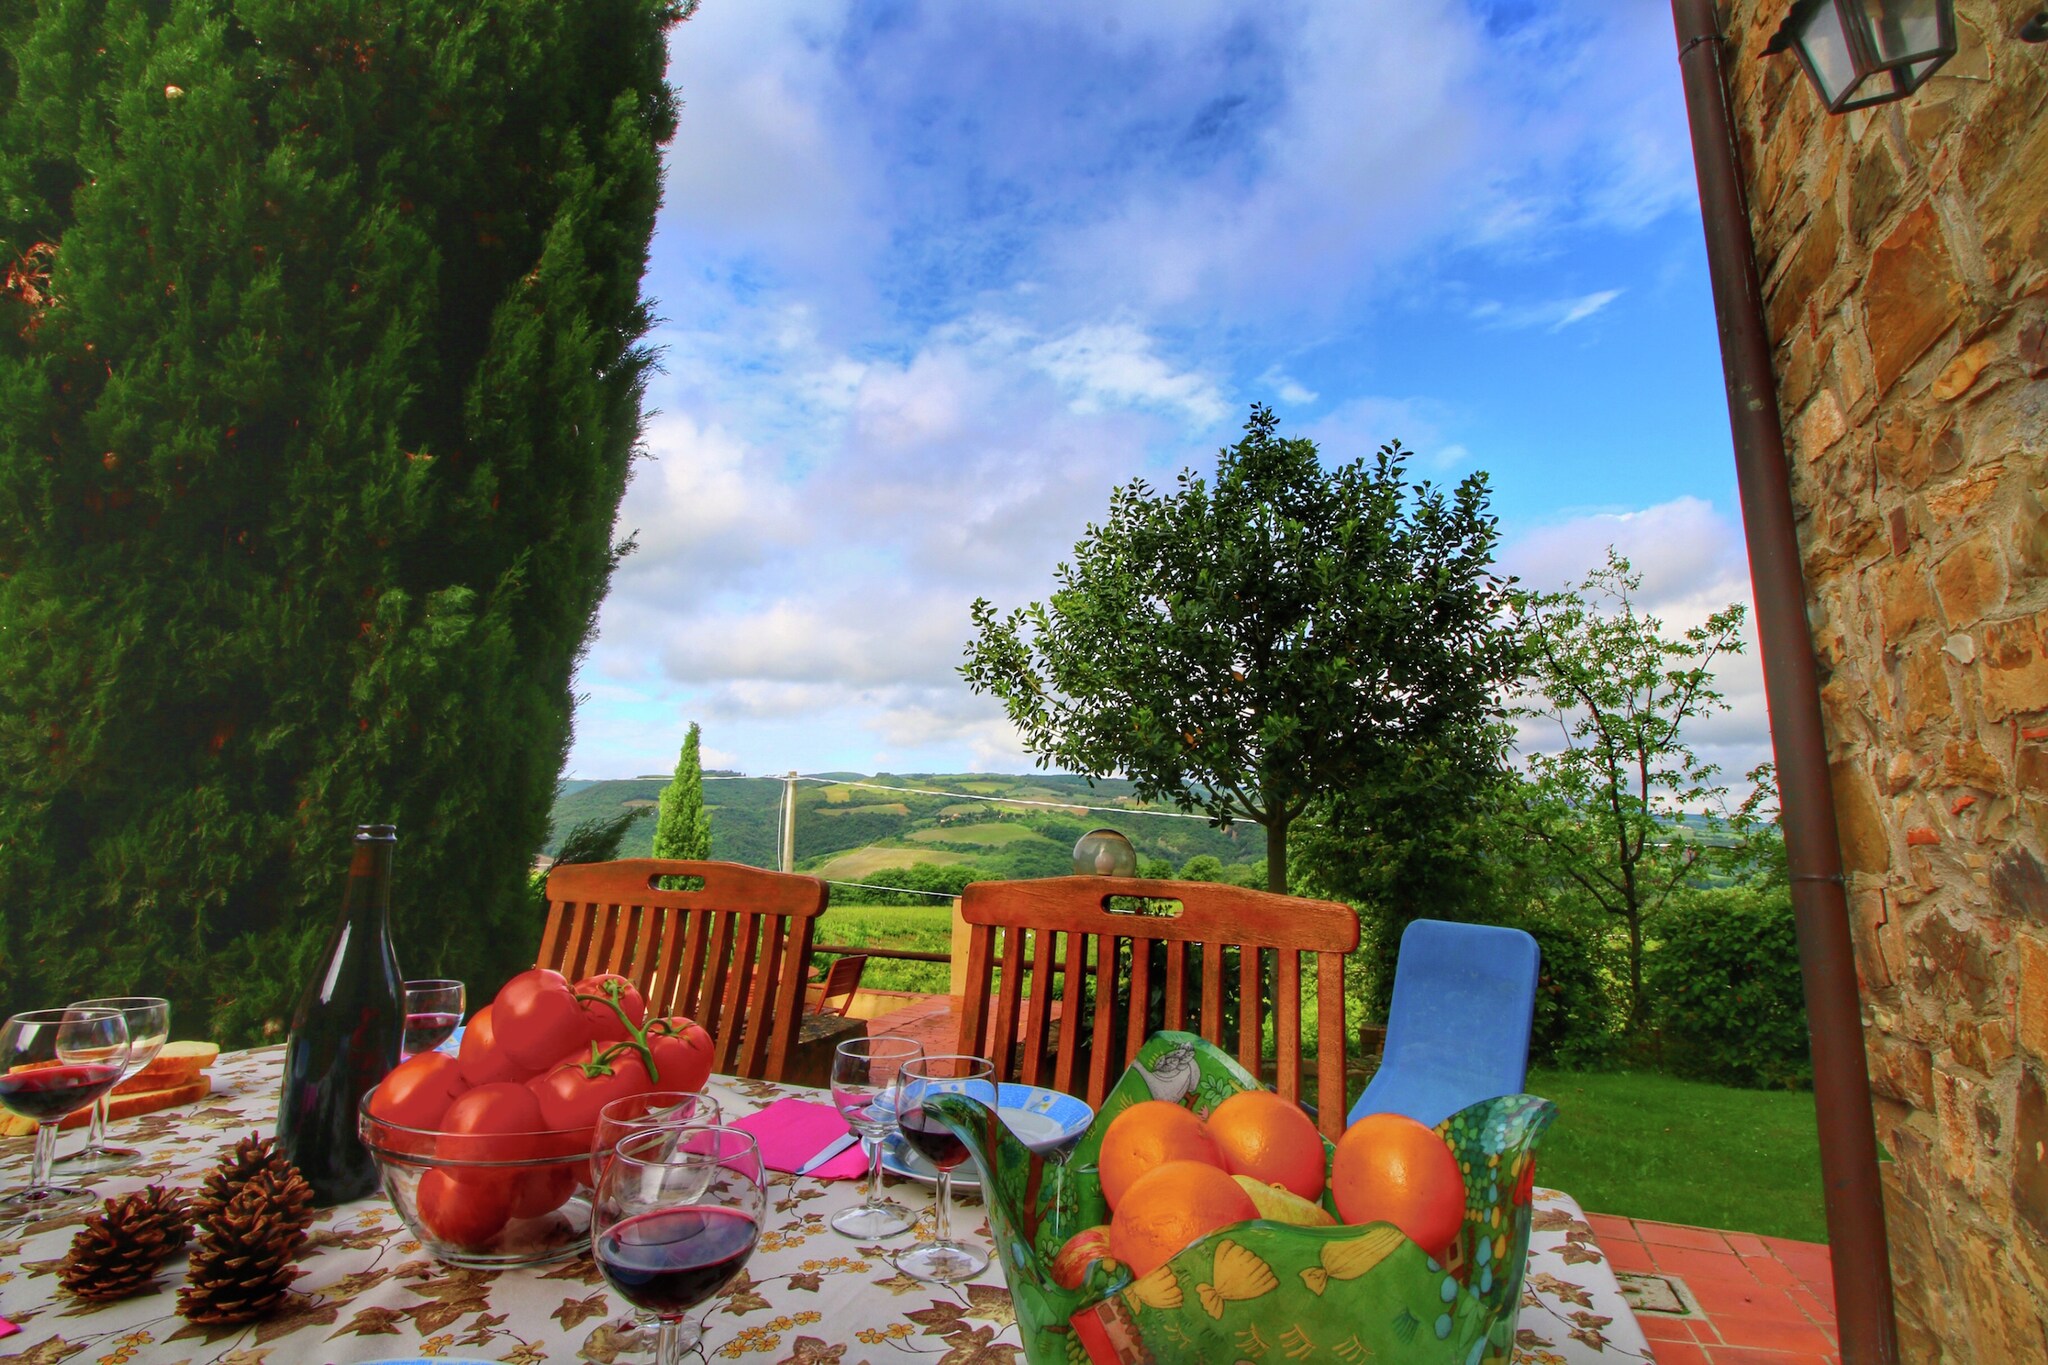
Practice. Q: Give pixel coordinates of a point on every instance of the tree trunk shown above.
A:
(1276, 853)
(1635, 971)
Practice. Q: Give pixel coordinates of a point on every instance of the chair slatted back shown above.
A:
(834, 995)
(734, 955)
(1020, 933)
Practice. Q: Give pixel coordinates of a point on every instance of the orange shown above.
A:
(1271, 1140)
(1170, 1206)
(1146, 1134)
(1391, 1169)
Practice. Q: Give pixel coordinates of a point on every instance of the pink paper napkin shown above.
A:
(791, 1131)
(7, 1329)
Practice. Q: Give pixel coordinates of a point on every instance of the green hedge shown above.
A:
(1724, 982)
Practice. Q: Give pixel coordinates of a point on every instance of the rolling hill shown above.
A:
(853, 826)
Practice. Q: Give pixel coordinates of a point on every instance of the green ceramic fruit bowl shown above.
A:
(1259, 1289)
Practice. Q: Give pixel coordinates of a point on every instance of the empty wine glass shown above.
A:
(149, 1028)
(865, 1077)
(432, 1010)
(942, 1258)
(644, 1113)
(53, 1063)
(675, 1220)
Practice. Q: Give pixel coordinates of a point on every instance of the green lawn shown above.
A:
(1652, 1146)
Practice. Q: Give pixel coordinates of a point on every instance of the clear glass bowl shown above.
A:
(487, 1203)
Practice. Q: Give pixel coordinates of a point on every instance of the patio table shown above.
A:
(810, 1296)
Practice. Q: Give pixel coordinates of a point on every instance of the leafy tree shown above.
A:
(595, 840)
(683, 829)
(320, 371)
(1203, 867)
(1602, 812)
(1250, 646)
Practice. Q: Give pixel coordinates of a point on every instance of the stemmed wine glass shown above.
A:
(644, 1113)
(942, 1258)
(668, 1111)
(865, 1079)
(675, 1221)
(432, 1010)
(149, 1028)
(53, 1063)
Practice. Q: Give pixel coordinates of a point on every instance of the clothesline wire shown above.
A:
(958, 796)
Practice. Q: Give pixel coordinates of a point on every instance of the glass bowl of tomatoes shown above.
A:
(487, 1153)
(487, 1200)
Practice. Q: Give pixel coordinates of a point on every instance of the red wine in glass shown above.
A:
(47, 1094)
(938, 1143)
(425, 1032)
(671, 1260)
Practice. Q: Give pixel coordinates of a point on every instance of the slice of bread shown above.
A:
(176, 1064)
(120, 1106)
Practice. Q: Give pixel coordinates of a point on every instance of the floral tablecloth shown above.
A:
(809, 1297)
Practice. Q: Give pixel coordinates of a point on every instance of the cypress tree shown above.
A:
(320, 371)
(683, 827)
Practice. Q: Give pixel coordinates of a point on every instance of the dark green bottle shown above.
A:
(345, 1033)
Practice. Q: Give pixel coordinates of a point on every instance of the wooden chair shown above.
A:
(734, 955)
(1031, 929)
(834, 994)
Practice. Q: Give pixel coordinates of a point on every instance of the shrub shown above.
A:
(1724, 982)
(319, 379)
(1579, 1003)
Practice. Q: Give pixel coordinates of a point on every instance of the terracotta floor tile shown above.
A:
(1607, 1227)
(1772, 1271)
(1712, 1265)
(1678, 1353)
(1672, 1234)
(1703, 1331)
(1773, 1334)
(1726, 1300)
(1629, 1256)
(1820, 1310)
(1747, 1244)
(1658, 1327)
(1750, 1355)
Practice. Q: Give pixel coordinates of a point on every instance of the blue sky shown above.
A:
(934, 277)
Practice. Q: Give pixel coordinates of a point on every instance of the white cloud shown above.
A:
(1553, 315)
(1117, 365)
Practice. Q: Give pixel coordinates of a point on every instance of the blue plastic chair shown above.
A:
(1458, 1027)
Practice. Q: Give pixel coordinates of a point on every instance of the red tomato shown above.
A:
(483, 1061)
(540, 1190)
(682, 1053)
(570, 1095)
(538, 1018)
(419, 1091)
(604, 1022)
(493, 1122)
(459, 1212)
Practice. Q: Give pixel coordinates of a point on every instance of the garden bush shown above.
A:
(1724, 983)
(320, 374)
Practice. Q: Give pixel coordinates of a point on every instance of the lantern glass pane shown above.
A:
(1825, 48)
(1904, 32)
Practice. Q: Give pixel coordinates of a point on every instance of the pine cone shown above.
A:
(238, 1166)
(242, 1268)
(120, 1249)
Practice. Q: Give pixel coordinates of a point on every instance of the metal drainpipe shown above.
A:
(1820, 907)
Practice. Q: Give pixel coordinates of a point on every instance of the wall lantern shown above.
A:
(1864, 52)
(1105, 853)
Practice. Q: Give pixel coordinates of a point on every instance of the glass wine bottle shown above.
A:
(345, 1032)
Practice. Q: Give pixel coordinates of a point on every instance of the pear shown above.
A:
(1279, 1204)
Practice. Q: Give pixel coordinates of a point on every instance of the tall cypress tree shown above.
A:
(320, 370)
(683, 827)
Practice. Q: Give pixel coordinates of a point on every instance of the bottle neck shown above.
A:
(366, 903)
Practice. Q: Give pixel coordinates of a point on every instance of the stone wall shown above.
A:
(1904, 253)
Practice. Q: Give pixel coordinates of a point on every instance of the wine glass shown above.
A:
(53, 1063)
(432, 1010)
(149, 1028)
(942, 1258)
(676, 1218)
(646, 1112)
(865, 1077)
